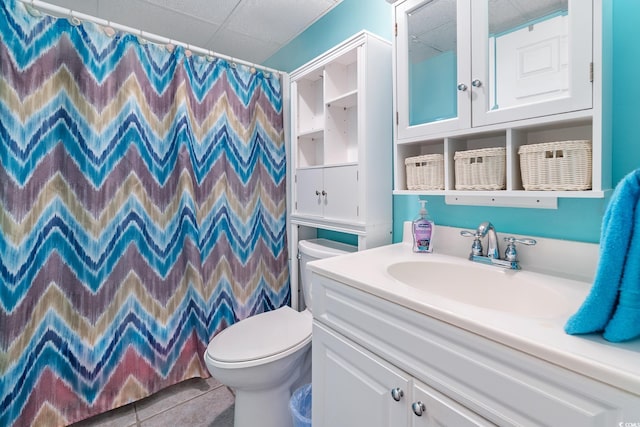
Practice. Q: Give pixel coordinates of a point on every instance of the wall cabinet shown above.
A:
(328, 192)
(483, 74)
(342, 140)
(366, 347)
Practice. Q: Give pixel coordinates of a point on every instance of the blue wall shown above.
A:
(575, 219)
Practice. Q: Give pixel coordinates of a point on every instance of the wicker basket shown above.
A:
(482, 169)
(562, 165)
(425, 172)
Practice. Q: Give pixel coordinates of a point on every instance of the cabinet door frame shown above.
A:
(363, 372)
(308, 188)
(404, 130)
(580, 62)
(340, 184)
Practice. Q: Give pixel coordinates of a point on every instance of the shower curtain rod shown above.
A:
(76, 17)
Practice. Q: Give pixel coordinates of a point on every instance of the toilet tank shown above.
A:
(313, 249)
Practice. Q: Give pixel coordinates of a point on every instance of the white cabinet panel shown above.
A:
(309, 198)
(330, 192)
(341, 188)
(352, 387)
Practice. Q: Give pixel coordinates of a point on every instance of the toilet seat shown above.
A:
(258, 339)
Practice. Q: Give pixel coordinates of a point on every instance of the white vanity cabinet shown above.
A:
(342, 140)
(364, 347)
(472, 74)
(357, 388)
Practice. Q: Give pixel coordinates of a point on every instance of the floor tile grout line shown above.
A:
(139, 421)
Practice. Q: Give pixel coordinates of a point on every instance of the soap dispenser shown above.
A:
(422, 229)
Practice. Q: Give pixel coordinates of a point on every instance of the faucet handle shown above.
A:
(510, 254)
(526, 241)
(476, 246)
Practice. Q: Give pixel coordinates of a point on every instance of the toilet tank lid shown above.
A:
(324, 248)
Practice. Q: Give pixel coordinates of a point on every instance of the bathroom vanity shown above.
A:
(391, 350)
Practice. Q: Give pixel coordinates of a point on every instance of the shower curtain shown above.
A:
(142, 210)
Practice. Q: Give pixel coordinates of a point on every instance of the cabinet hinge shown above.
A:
(591, 72)
(357, 210)
(357, 175)
(397, 118)
(395, 29)
(295, 179)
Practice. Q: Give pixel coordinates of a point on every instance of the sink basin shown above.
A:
(482, 286)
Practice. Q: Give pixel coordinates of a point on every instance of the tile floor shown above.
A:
(194, 403)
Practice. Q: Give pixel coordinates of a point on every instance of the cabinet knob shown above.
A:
(324, 193)
(476, 83)
(462, 87)
(317, 193)
(418, 408)
(397, 394)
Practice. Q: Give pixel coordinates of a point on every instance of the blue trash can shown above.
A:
(300, 406)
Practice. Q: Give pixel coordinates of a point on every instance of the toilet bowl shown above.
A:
(265, 357)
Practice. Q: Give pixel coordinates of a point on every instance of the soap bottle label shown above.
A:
(422, 235)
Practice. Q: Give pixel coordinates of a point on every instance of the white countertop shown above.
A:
(615, 364)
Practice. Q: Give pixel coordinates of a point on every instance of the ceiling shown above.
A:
(249, 30)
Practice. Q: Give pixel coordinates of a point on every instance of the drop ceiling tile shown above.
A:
(147, 17)
(216, 12)
(253, 49)
(90, 7)
(278, 21)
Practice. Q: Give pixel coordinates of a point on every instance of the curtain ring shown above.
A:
(31, 9)
(109, 30)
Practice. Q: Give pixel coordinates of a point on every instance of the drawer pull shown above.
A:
(397, 394)
(418, 408)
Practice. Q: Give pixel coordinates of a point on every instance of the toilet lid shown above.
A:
(261, 336)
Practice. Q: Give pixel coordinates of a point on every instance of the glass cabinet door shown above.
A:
(530, 59)
(432, 67)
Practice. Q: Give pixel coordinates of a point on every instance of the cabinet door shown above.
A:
(308, 192)
(340, 197)
(432, 408)
(530, 60)
(433, 67)
(352, 387)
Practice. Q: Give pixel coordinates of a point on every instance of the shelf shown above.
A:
(347, 100)
(327, 165)
(587, 194)
(507, 198)
(311, 134)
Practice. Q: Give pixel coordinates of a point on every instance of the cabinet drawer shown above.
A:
(505, 386)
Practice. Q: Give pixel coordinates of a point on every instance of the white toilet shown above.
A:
(265, 357)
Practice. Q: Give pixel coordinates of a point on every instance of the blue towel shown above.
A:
(613, 304)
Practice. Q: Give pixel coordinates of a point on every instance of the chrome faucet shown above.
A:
(487, 229)
(492, 256)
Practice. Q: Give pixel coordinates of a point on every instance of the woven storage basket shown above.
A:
(562, 165)
(425, 172)
(482, 169)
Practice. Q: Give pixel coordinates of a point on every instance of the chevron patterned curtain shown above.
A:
(142, 210)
